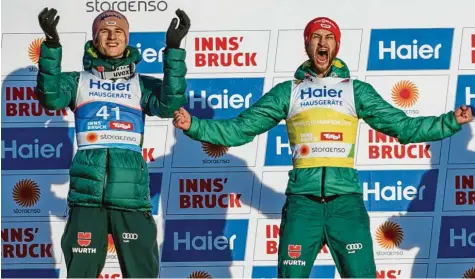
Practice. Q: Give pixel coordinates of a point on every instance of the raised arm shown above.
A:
(54, 89)
(383, 117)
(162, 97)
(267, 112)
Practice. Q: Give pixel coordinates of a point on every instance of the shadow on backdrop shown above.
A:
(222, 259)
(416, 206)
(29, 199)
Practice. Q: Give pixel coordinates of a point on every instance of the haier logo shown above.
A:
(150, 46)
(222, 98)
(457, 237)
(410, 49)
(319, 93)
(398, 190)
(204, 240)
(465, 91)
(37, 148)
(278, 147)
(108, 86)
(318, 271)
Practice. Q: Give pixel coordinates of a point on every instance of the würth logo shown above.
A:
(84, 239)
(294, 251)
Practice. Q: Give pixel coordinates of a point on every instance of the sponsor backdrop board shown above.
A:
(218, 209)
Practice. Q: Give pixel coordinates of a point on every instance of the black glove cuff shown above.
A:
(52, 43)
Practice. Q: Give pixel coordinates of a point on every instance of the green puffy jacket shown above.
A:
(111, 178)
(273, 107)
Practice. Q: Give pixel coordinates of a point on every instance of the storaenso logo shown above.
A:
(126, 6)
(115, 137)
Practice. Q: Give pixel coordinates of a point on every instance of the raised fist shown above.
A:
(463, 114)
(182, 119)
(175, 35)
(48, 23)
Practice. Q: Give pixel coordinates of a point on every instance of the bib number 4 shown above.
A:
(103, 112)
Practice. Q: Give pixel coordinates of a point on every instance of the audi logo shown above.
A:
(130, 236)
(354, 246)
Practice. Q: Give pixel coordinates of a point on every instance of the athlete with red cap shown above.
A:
(322, 107)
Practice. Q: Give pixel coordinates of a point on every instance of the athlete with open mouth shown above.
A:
(322, 107)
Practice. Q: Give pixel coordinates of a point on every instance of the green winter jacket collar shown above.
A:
(338, 69)
(92, 59)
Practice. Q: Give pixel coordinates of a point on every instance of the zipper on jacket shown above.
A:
(105, 178)
(323, 184)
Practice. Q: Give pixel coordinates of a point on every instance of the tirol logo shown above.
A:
(405, 94)
(37, 148)
(84, 239)
(399, 190)
(389, 235)
(199, 274)
(222, 98)
(121, 125)
(469, 273)
(457, 237)
(331, 136)
(204, 240)
(465, 94)
(150, 46)
(213, 150)
(26, 193)
(410, 49)
(34, 50)
(278, 147)
(294, 251)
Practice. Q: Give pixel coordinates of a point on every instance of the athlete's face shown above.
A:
(111, 42)
(321, 49)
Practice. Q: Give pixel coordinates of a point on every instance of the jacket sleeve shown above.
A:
(383, 117)
(162, 97)
(55, 89)
(263, 115)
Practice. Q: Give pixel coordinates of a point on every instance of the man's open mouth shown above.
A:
(322, 56)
